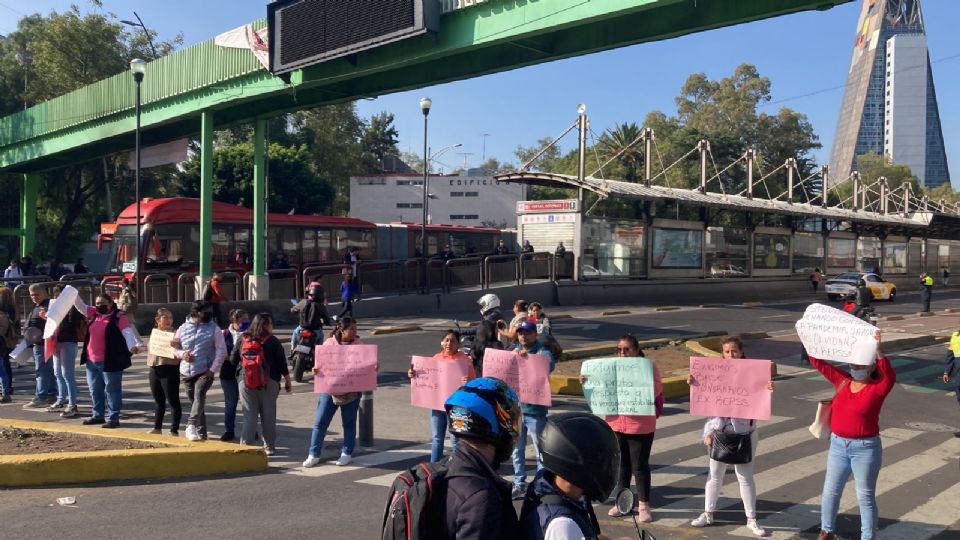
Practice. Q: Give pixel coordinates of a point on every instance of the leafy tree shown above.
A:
(294, 183)
(622, 140)
(547, 162)
(378, 140)
(70, 50)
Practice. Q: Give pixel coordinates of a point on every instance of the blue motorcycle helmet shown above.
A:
(486, 409)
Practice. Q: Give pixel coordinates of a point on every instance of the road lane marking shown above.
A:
(927, 520)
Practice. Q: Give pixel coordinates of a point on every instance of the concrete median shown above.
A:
(175, 457)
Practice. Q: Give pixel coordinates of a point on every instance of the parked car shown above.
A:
(846, 283)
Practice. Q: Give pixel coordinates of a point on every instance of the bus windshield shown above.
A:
(123, 248)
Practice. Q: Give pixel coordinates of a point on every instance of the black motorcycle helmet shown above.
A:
(582, 449)
(316, 293)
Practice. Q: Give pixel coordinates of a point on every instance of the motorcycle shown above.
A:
(867, 314)
(302, 354)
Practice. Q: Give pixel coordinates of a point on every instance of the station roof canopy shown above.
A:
(620, 189)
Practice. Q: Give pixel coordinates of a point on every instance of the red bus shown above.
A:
(170, 229)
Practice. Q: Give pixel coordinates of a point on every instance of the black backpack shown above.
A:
(415, 507)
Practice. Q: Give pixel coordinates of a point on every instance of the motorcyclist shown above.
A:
(580, 458)
(312, 313)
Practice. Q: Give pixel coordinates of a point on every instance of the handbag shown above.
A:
(731, 448)
(821, 419)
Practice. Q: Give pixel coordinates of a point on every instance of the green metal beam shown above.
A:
(486, 38)
(28, 213)
(206, 195)
(259, 198)
(11, 231)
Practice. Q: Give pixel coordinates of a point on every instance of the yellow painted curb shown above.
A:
(561, 316)
(752, 304)
(618, 312)
(667, 308)
(395, 330)
(698, 348)
(180, 458)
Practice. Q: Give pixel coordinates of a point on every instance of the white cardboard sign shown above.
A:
(58, 309)
(831, 334)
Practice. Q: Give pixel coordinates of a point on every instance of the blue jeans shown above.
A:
(533, 424)
(321, 421)
(438, 431)
(6, 370)
(231, 397)
(294, 337)
(863, 458)
(46, 385)
(64, 369)
(105, 386)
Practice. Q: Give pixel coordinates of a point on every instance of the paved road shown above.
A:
(918, 486)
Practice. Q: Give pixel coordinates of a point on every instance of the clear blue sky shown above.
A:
(806, 57)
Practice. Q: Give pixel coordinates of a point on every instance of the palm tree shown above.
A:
(619, 139)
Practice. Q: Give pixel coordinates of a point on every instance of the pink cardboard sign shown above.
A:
(342, 369)
(732, 388)
(528, 376)
(434, 380)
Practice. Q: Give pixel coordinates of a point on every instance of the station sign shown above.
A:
(546, 207)
(548, 218)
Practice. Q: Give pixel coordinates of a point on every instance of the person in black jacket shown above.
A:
(580, 457)
(484, 415)
(46, 393)
(239, 322)
(261, 402)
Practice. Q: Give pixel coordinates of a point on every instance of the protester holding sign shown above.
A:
(344, 334)
(449, 352)
(732, 349)
(855, 445)
(534, 416)
(164, 373)
(635, 432)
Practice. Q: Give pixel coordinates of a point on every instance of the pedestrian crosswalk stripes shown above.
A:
(785, 523)
(927, 520)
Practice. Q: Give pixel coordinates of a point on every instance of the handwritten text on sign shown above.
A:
(528, 376)
(160, 343)
(619, 386)
(830, 334)
(434, 380)
(732, 388)
(342, 369)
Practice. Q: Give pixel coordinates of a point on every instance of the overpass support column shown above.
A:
(259, 281)
(206, 200)
(28, 213)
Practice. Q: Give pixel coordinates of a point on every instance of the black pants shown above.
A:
(165, 387)
(925, 298)
(347, 308)
(815, 285)
(635, 460)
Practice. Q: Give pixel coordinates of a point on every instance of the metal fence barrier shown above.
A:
(538, 265)
(156, 289)
(501, 269)
(186, 287)
(464, 272)
(231, 285)
(284, 283)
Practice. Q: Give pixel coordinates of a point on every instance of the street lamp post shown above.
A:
(25, 59)
(138, 67)
(145, 32)
(425, 104)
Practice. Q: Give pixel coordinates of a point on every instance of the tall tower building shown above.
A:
(889, 103)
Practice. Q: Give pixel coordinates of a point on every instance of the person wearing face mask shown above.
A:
(239, 322)
(732, 349)
(110, 344)
(438, 419)
(164, 380)
(200, 346)
(855, 445)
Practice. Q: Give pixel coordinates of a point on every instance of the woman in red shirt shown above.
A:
(855, 441)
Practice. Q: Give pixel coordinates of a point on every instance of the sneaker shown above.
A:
(56, 407)
(703, 520)
(192, 434)
(755, 528)
(51, 400)
(154, 431)
(345, 459)
(35, 404)
(110, 425)
(6, 398)
(643, 514)
(311, 461)
(227, 436)
(269, 450)
(519, 492)
(70, 412)
(174, 433)
(824, 535)
(93, 420)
